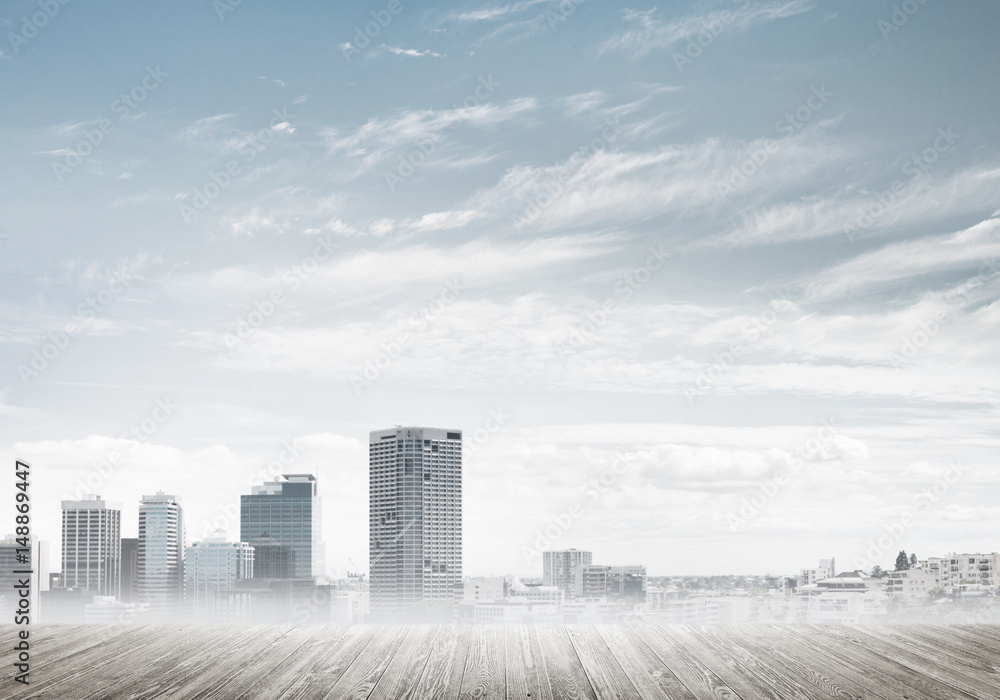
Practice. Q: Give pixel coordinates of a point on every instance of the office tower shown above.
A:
(212, 567)
(130, 569)
(282, 520)
(36, 560)
(559, 568)
(91, 546)
(415, 522)
(160, 560)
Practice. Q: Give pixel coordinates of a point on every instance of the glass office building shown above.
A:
(282, 520)
(160, 558)
(213, 567)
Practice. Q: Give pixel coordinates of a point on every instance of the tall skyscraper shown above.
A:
(160, 560)
(130, 569)
(212, 567)
(559, 568)
(282, 520)
(91, 545)
(415, 522)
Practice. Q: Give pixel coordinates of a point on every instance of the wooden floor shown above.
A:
(298, 662)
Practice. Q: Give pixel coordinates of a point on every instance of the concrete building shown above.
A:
(160, 555)
(283, 522)
(848, 598)
(485, 589)
(615, 583)
(211, 567)
(415, 522)
(968, 570)
(827, 569)
(912, 583)
(559, 568)
(91, 546)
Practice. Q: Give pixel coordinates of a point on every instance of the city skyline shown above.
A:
(749, 246)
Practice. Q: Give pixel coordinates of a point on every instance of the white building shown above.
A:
(414, 522)
(211, 567)
(848, 598)
(827, 569)
(912, 583)
(967, 570)
(91, 545)
(485, 590)
(559, 568)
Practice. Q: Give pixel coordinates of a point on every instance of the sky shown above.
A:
(708, 286)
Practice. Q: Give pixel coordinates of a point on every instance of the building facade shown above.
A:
(282, 520)
(619, 583)
(415, 522)
(130, 569)
(91, 546)
(212, 567)
(559, 568)
(160, 556)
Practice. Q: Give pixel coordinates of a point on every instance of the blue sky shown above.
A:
(692, 234)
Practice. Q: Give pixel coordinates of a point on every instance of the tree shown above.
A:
(913, 561)
(902, 561)
(877, 571)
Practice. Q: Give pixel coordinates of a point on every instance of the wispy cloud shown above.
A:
(649, 32)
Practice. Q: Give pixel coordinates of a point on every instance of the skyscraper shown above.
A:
(559, 568)
(160, 560)
(415, 521)
(212, 567)
(282, 520)
(91, 545)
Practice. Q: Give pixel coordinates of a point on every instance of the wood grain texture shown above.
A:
(519, 662)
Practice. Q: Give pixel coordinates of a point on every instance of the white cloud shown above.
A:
(651, 33)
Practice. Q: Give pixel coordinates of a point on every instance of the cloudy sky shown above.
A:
(719, 278)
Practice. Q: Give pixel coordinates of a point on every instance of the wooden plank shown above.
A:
(947, 675)
(485, 675)
(606, 676)
(749, 681)
(949, 649)
(879, 670)
(361, 676)
(651, 677)
(162, 654)
(442, 674)
(696, 676)
(563, 671)
(803, 661)
(339, 652)
(296, 663)
(525, 674)
(407, 664)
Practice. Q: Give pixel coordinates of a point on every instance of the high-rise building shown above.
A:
(130, 569)
(282, 520)
(35, 560)
(415, 522)
(559, 568)
(91, 545)
(160, 560)
(212, 567)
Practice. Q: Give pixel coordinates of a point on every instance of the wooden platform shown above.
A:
(440, 662)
